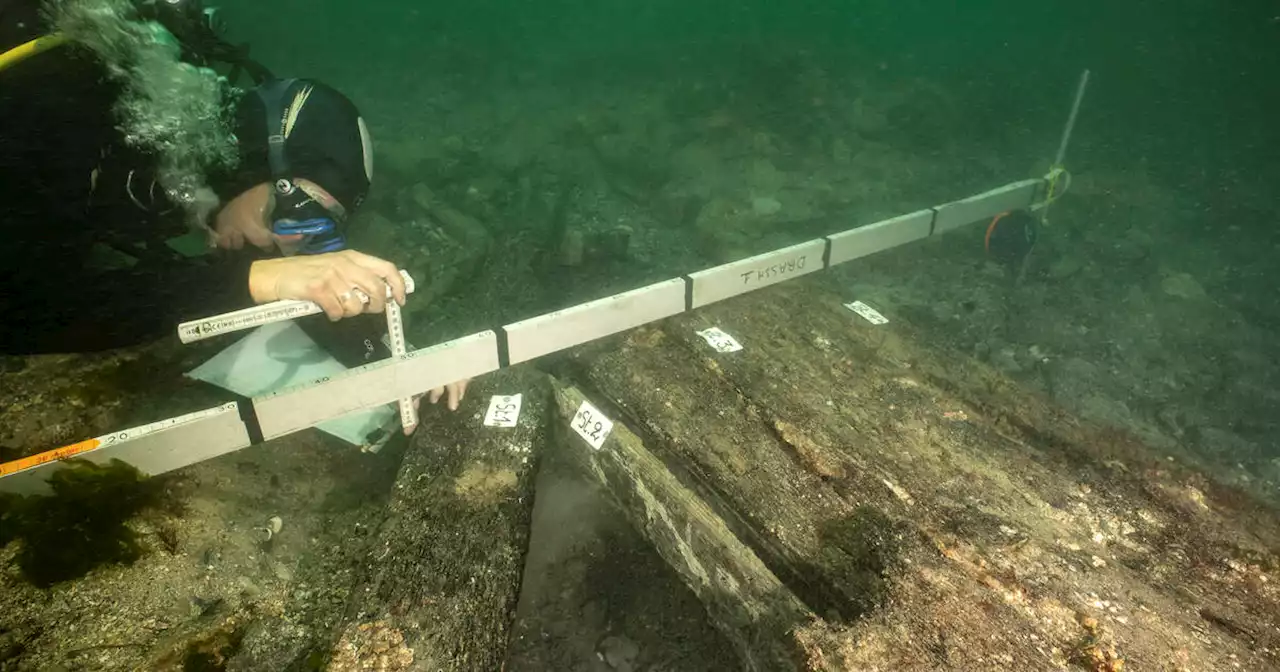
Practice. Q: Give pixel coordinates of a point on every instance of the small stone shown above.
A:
(571, 248)
(1197, 497)
(841, 153)
(616, 241)
(765, 206)
(1183, 286)
(619, 652)
(1065, 267)
(282, 572)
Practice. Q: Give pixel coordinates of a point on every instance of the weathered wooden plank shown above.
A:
(950, 516)
(442, 580)
(747, 603)
(777, 498)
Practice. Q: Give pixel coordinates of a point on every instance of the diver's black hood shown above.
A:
(326, 144)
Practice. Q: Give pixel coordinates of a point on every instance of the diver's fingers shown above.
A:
(368, 287)
(259, 236)
(453, 397)
(230, 239)
(322, 293)
(342, 290)
(368, 277)
(393, 278)
(457, 392)
(434, 396)
(382, 268)
(417, 398)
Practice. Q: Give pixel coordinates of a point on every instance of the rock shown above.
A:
(1183, 286)
(619, 652)
(765, 206)
(762, 143)
(460, 226)
(1006, 360)
(12, 364)
(282, 571)
(866, 119)
(1065, 267)
(765, 177)
(398, 158)
(1104, 410)
(1226, 444)
(722, 228)
(373, 233)
(571, 248)
(616, 242)
(841, 153)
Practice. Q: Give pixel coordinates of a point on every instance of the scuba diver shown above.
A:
(71, 184)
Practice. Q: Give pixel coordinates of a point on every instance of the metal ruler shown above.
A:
(267, 313)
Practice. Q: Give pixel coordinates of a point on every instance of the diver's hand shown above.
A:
(333, 280)
(243, 220)
(456, 391)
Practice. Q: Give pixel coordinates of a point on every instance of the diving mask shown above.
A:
(306, 225)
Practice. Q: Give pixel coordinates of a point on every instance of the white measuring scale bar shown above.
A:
(256, 316)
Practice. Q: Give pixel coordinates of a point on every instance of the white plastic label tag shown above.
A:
(591, 425)
(504, 411)
(719, 340)
(871, 314)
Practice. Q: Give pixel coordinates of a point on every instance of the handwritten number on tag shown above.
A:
(592, 425)
(588, 426)
(504, 411)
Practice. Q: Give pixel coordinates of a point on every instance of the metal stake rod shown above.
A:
(1071, 120)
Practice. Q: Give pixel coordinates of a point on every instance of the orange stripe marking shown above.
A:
(48, 456)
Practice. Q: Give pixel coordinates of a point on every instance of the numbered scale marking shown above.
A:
(395, 332)
(256, 316)
(719, 340)
(504, 411)
(111, 439)
(871, 314)
(591, 425)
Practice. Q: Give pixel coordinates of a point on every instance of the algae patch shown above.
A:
(83, 524)
(481, 484)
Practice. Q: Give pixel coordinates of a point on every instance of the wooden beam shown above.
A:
(440, 586)
(765, 623)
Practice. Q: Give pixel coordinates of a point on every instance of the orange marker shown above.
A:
(48, 456)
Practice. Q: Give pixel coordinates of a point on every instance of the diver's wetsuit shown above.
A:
(56, 123)
(56, 120)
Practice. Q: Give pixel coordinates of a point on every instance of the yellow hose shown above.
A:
(22, 52)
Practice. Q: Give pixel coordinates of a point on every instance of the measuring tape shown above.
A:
(395, 333)
(111, 439)
(412, 373)
(267, 313)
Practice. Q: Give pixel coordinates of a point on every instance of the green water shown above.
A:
(530, 156)
(1190, 84)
